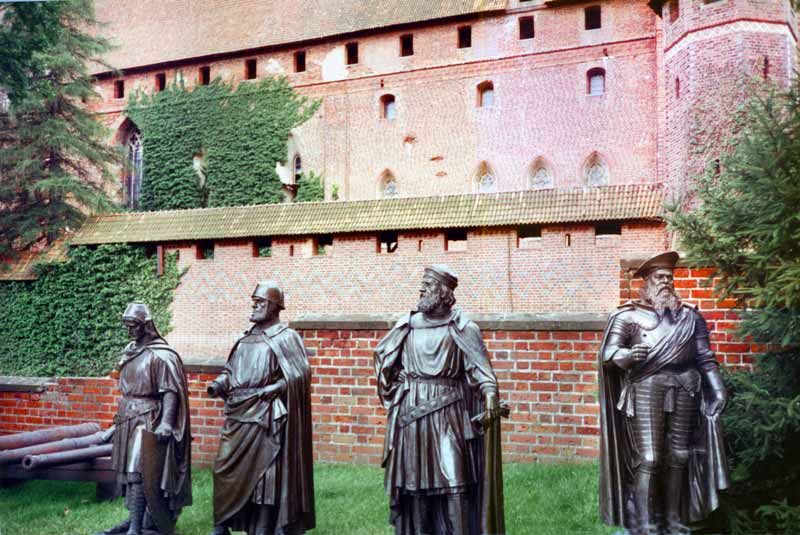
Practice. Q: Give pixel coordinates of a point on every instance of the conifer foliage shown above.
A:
(52, 150)
(747, 226)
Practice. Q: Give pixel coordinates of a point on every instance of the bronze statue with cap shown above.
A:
(662, 456)
(263, 473)
(151, 434)
(440, 392)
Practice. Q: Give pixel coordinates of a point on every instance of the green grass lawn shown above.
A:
(541, 499)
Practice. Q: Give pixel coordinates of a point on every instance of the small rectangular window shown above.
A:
(455, 240)
(465, 37)
(608, 228)
(204, 75)
(352, 53)
(526, 27)
(528, 236)
(674, 8)
(407, 45)
(262, 247)
(300, 61)
(119, 89)
(322, 245)
(161, 82)
(593, 18)
(250, 68)
(387, 242)
(205, 250)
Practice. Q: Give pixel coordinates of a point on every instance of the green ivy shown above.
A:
(310, 188)
(67, 322)
(241, 133)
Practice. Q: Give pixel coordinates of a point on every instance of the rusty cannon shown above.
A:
(33, 462)
(33, 438)
(67, 444)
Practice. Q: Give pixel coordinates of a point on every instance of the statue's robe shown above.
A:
(265, 453)
(708, 471)
(441, 452)
(145, 374)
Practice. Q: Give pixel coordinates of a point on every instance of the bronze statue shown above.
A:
(263, 473)
(151, 432)
(662, 457)
(440, 392)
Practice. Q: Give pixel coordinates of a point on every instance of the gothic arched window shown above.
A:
(485, 178)
(596, 171)
(134, 170)
(541, 176)
(388, 186)
(298, 168)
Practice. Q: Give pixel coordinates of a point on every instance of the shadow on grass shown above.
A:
(553, 499)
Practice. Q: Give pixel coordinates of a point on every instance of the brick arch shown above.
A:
(124, 131)
(384, 178)
(595, 158)
(540, 162)
(483, 169)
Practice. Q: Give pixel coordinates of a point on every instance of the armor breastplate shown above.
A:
(647, 328)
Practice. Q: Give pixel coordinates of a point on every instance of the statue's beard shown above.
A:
(662, 298)
(429, 303)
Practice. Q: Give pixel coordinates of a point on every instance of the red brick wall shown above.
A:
(548, 376)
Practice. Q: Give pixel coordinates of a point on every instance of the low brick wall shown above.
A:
(546, 365)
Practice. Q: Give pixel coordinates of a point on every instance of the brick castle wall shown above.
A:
(547, 372)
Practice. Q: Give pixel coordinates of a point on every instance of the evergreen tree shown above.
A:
(746, 225)
(310, 188)
(53, 157)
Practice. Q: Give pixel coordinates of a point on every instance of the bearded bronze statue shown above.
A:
(151, 434)
(263, 473)
(662, 457)
(442, 445)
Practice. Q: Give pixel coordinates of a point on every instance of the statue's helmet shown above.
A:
(666, 260)
(443, 274)
(270, 291)
(138, 312)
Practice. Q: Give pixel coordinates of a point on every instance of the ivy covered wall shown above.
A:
(68, 321)
(236, 135)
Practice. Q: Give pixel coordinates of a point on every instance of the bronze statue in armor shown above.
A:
(434, 377)
(661, 394)
(263, 473)
(151, 433)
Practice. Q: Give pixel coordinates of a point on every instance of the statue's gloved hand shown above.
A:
(492, 407)
(163, 431)
(717, 404)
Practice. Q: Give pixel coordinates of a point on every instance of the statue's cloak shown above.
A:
(708, 471)
(236, 476)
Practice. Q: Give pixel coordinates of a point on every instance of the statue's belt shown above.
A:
(132, 406)
(429, 406)
(238, 395)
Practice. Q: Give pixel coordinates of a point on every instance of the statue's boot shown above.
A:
(136, 506)
(220, 530)
(672, 501)
(122, 527)
(645, 499)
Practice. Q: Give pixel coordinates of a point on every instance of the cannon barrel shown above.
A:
(32, 438)
(15, 456)
(32, 462)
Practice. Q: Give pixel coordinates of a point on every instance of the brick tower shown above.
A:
(708, 48)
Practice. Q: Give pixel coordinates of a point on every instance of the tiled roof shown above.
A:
(21, 268)
(151, 31)
(624, 202)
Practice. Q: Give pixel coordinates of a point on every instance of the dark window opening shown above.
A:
(596, 82)
(352, 53)
(298, 168)
(291, 250)
(262, 247)
(205, 250)
(485, 95)
(674, 10)
(388, 110)
(567, 240)
(592, 17)
(528, 235)
(765, 71)
(119, 89)
(455, 240)
(250, 68)
(387, 242)
(300, 61)
(419, 245)
(526, 28)
(465, 36)
(204, 75)
(322, 244)
(608, 228)
(677, 88)
(161, 81)
(407, 45)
